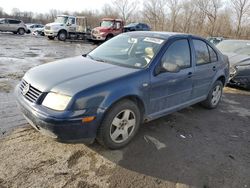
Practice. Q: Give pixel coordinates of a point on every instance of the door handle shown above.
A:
(190, 74)
(214, 68)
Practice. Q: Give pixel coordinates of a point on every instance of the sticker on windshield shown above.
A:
(153, 40)
(132, 40)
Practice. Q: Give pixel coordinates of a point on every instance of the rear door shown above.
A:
(170, 90)
(14, 24)
(3, 25)
(206, 64)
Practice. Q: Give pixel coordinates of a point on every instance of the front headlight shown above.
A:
(56, 101)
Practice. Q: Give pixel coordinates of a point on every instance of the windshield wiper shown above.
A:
(97, 59)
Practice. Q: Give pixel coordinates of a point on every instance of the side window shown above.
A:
(2, 22)
(118, 25)
(201, 52)
(14, 22)
(72, 20)
(178, 53)
(213, 54)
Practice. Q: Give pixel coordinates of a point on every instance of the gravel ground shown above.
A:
(194, 147)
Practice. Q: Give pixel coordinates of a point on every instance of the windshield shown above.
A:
(61, 19)
(131, 25)
(128, 50)
(107, 23)
(234, 46)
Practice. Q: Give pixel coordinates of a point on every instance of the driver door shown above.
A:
(71, 24)
(171, 90)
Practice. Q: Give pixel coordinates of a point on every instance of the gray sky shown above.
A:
(42, 6)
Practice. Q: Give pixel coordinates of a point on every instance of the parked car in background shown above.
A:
(136, 27)
(66, 27)
(32, 27)
(215, 40)
(133, 78)
(108, 28)
(39, 31)
(13, 25)
(238, 52)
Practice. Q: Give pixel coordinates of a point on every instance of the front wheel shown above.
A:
(62, 35)
(214, 96)
(120, 125)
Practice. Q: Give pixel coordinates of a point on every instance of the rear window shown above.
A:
(14, 21)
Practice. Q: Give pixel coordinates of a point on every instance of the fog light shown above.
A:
(88, 119)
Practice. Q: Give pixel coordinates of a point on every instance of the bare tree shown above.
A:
(108, 10)
(174, 6)
(125, 8)
(154, 13)
(242, 8)
(211, 9)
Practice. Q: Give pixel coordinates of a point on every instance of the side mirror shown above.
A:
(169, 67)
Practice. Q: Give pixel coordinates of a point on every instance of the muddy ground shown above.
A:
(194, 147)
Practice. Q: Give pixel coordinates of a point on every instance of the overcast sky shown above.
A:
(42, 6)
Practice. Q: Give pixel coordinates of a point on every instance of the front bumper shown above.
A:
(243, 81)
(67, 129)
(240, 76)
(50, 33)
(98, 37)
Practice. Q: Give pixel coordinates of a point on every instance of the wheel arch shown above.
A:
(134, 98)
(62, 30)
(222, 79)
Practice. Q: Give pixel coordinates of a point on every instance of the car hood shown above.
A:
(72, 75)
(54, 24)
(238, 59)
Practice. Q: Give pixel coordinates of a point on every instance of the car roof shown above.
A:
(161, 34)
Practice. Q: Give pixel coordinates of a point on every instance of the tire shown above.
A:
(109, 37)
(21, 31)
(214, 96)
(14, 32)
(51, 38)
(119, 125)
(62, 35)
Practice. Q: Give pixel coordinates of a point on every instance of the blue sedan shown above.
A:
(130, 79)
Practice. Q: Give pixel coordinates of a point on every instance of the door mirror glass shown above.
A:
(170, 67)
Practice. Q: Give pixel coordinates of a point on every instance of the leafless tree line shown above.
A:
(228, 18)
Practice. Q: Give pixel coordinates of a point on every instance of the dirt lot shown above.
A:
(194, 147)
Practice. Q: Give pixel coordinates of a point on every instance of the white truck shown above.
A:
(66, 27)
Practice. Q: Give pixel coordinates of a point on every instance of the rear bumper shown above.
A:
(68, 129)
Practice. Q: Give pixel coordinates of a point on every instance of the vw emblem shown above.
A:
(26, 89)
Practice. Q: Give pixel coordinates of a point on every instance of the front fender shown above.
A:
(105, 95)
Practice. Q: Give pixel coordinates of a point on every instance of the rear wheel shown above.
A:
(62, 35)
(21, 31)
(214, 96)
(51, 38)
(120, 125)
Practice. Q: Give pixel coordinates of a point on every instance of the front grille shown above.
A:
(47, 27)
(29, 92)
